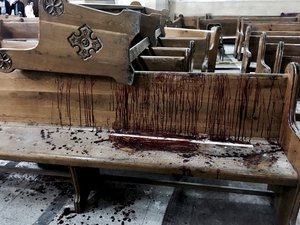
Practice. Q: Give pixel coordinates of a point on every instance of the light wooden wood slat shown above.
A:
(201, 48)
(91, 97)
(164, 63)
(215, 33)
(89, 148)
(269, 55)
(169, 51)
(244, 22)
(264, 26)
(251, 45)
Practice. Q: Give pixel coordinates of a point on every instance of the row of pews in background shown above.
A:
(262, 44)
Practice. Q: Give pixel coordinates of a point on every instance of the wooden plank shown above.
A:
(263, 26)
(251, 45)
(20, 29)
(136, 50)
(220, 105)
(215, 33)
(95, 148)
(168, 51)
(269, 55)
(201, 48)
(164, 63)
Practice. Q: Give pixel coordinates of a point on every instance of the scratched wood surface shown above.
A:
(264, 162)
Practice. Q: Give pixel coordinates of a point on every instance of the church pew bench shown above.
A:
(220, 120)
(251, 46)
(147, 58)
(200, 56)
(274, 57)
(263, 26)
(215, 33)
(245, 21)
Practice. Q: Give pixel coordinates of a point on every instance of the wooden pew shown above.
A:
(275, 61)
(200, 59)
(221, 120)
(167, 59)
(195, 33)
(291, 53)
(251, 44)
(145, 57)
(264, 25)
(227, 24)
(164, 63)
(267, 55)
(207, 125)
(245, 21)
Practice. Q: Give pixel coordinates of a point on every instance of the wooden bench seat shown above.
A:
(258, 161)
(215, 33)
(200, 56)
(164, 63)
(219, 126)
(274, 57)
(251, 46)
(226, 23)
(245, 21)
(263, 26)
(144, 57)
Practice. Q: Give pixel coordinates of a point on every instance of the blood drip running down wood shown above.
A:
(225, 109)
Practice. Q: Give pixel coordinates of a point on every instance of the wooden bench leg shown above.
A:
(287, 205)
(84, 180)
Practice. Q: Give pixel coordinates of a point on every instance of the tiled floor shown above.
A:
(35, 199)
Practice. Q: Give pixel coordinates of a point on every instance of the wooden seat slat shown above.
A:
(88, 148)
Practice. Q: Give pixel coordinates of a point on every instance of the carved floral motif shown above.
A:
(5, 61)
(54, 7)
(85, 42)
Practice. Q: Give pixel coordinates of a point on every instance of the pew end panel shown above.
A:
(269, 56)
(288, 205)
